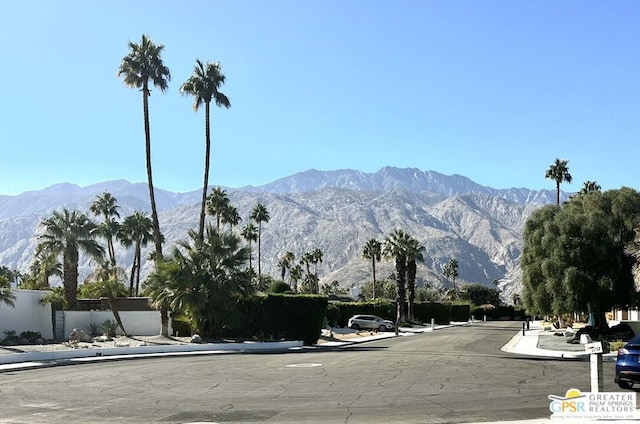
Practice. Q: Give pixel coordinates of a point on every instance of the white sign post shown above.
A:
(595, 358)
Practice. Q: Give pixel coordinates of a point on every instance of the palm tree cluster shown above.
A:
(406, 251)
(301, 272)
(67, 234)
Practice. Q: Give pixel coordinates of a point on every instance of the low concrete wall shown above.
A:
(137, 323)
(28, 315)
(205, 348)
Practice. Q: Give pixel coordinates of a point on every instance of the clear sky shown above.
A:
(493, 90)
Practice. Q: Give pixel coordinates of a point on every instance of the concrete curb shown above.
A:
(38, 359)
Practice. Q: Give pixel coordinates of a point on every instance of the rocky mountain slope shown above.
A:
(335, 211)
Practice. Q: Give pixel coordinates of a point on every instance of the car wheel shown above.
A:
(355, 326)
(625, 384)
(382, 328)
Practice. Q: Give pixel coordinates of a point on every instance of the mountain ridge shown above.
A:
(336, 211)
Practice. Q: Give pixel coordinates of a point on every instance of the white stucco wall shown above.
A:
(137, 323)
(28, 315)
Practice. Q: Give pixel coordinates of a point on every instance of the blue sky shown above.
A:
(493, 90)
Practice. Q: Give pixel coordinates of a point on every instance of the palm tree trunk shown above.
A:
(115, 311)
(70, 279)
(373, 267)
(558, 193)
(207, 152)
(138, 266)
(157, 237)
(132, 277)
(259, 253)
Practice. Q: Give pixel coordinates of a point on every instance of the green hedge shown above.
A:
(442, 313)
(382, 308)
(283, 317)
(500, 313)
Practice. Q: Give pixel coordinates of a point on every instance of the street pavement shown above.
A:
(522, 343)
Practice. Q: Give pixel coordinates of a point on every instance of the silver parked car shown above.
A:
(370, 322)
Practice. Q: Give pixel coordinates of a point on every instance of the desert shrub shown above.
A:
(109, 327)
(32, 336)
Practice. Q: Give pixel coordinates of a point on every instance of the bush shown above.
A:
(383, 308)
(333, 314)
(282, 317)
(279, 287)
(109, 327)
(181, 327)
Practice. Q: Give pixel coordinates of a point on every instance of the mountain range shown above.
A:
(335, 211)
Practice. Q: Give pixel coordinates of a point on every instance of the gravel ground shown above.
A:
(547, 340)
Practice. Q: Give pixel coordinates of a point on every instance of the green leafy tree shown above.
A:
(450, 271)
(205, 279)
(373, 251)
(66, 234)
(577, 259)
(259, 214)
(559, 172)
(106, 205)
(142, 66)
(136, 230)
(385, 289)
(204, 85)
(480, 295)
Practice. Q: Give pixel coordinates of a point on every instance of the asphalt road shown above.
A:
(453, 375)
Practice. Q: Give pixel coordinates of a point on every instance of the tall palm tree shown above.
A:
(414, 253)
(559, 172)
(217, 204)
(67, 233)
(106, 205)
(316, 257)
(307, 260)
(250, 234)
(285, 264)
(136, 230)
(295, 274)
(395, 247)
(204, 84)
(142, 65)
(260, 214)
(373, 250)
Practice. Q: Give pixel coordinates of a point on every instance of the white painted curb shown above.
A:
(12, 358)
